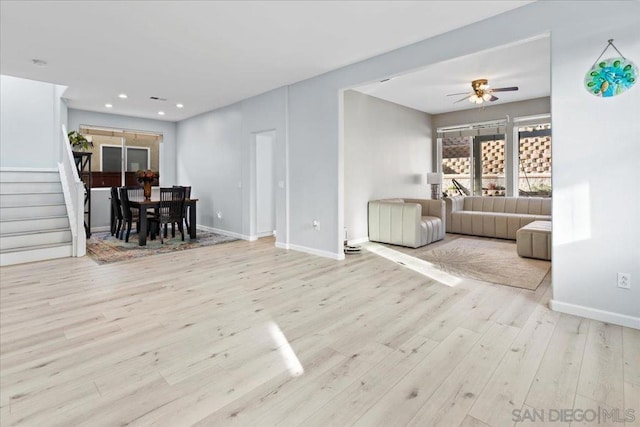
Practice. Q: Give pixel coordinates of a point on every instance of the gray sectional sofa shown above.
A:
(406, 222)
(499, 217)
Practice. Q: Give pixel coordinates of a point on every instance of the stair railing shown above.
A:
(74, 192)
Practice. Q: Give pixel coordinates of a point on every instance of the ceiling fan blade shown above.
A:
(504, 89)
(461, 93)
(460, 100)
(493, 98)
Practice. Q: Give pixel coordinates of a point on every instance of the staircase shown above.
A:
(34, 225)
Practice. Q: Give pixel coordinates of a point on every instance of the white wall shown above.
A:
(216, 154)
(387, 153)
(210, 160)
(596, 145)
(100, 203)
(30, 119)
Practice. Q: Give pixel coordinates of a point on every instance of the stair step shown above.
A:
(33, 216)
(12, 241)
(30, 176)
(31, 199)
(15, 226)
(35, 253)
(36, 187)
(9, 213)
(29, 248)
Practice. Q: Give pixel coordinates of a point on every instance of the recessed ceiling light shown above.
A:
(161, 113)
(179, 105)
(123, 96)
(39, 62)
(108, 105)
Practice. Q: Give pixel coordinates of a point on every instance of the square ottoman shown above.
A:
(534, 240)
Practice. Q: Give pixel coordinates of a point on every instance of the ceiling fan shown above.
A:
(482, 92)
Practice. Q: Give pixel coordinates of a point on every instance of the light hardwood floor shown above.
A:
(246, 334)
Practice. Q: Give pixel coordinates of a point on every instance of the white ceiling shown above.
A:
(525, 64)
(208, 54)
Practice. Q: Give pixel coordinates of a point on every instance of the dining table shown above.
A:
(144, 205)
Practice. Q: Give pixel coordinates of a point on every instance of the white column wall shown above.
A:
(30, 119)
(387, 154)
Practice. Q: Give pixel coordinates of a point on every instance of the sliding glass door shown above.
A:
(534, 160)
(456, 165)
(473, 165)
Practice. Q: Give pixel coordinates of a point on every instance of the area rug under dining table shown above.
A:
(104, 248)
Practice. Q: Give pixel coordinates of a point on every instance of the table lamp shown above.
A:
(435, 178)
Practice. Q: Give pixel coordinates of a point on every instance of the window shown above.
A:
(136, 158)
(115, 150)
(111, 158)
(482, 159)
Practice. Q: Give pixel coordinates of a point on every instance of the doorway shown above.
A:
(265, 184)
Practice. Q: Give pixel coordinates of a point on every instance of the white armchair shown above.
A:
(406, 222)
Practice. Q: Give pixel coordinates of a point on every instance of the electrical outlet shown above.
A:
(624, 280)
(316, 224)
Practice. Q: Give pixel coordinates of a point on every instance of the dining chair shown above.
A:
(128, 216)
(135, 192)
(170, 210)
(187, 195)
(116, 212)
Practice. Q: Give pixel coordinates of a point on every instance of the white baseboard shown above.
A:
(595, 314)
(100, 229)
(265, 234)
(42, 254)
(14, 169)
(281, 245)
(358, 241)
(318, 252)
(227, 233)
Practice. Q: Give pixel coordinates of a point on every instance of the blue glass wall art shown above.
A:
(611, 77)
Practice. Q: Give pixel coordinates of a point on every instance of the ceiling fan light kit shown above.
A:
(482, 92)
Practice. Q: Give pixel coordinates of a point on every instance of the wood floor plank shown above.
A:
(588, 412)
(632, 403)
(469, 421)
(510, 383)
(400, 404)
(451, 401)
(631, 355)
(351, 404)
(555, 382)
(601, 376)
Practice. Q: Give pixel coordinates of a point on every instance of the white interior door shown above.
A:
(265, 191)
